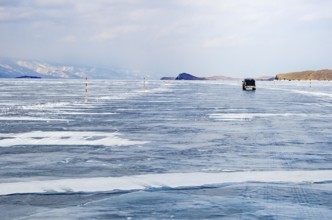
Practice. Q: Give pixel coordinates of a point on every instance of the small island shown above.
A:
(187, 76)
(28, 77)
(183, 76)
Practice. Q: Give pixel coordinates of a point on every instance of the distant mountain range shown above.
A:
(17, 68)
(11, 68)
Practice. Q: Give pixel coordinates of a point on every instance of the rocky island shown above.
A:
(28, 77)
(187, 76)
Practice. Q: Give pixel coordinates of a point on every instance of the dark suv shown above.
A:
(248, 84)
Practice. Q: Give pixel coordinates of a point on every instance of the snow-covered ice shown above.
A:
(65, 138)
(167, 180)
(171, 150)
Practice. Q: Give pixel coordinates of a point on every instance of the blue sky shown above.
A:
(165, 37)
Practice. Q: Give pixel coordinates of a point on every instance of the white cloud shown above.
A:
(116, 32)
(14, 14)
(324, 14)
(69, 39)
(51, 2)
(104, 36)
(228, 40)
(142, 14)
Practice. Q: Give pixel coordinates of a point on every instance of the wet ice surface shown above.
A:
(176, 150)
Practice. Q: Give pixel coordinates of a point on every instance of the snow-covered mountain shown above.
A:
(10, 68)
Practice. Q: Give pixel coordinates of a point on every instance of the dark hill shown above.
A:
(187, 76)
(28, 77)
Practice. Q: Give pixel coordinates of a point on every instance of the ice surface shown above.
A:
(180, 150)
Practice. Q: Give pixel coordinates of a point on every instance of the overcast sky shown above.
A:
(165, 37)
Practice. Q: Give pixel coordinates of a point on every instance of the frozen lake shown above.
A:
(174, 150)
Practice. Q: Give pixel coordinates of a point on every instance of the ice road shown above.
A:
(169, 150)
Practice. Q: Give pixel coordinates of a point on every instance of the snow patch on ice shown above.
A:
(313, 93)
(65, 138)
(43, 106)
(27, 118)
(86, 113)
(171, 180)
(301, 88)
(250, 116)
